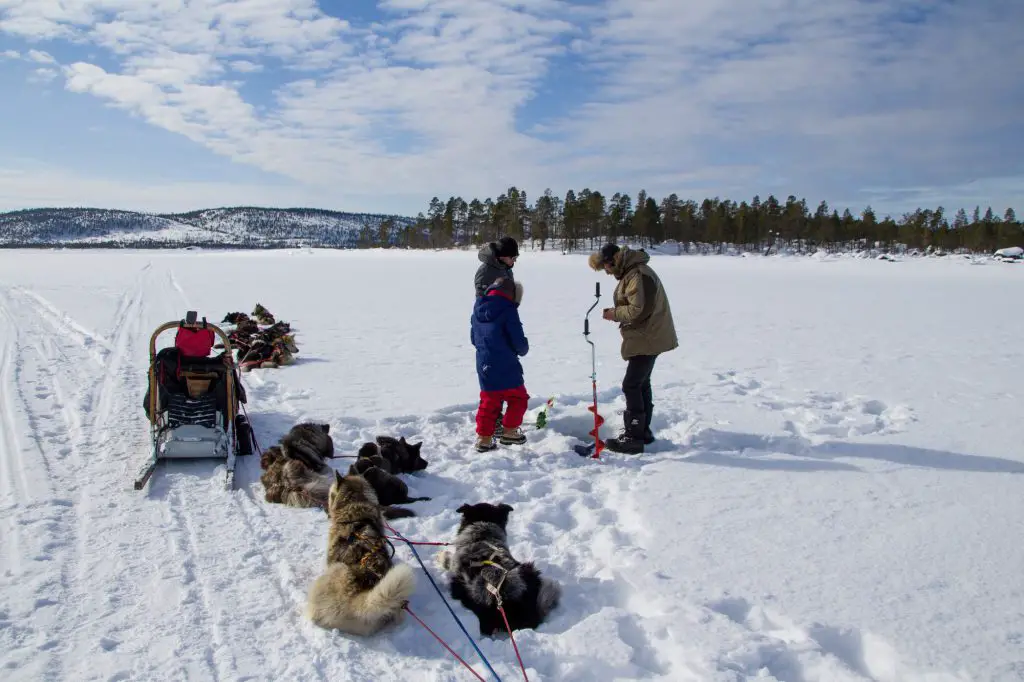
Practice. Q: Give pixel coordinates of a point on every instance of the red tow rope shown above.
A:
(444, 644)
(512, 637)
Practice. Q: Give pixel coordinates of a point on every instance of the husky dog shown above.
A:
(296, 473)
(369, 455)
(290, 482)
(390, 489)
(235, 318)
(481, 562)
(311, 444)
(270, 456)
(361, 590)
(262, 314)
(277, 330)
(403, 457)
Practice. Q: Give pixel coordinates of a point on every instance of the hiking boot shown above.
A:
(498, 428)
(631, 440)
(513, 436)
(485, 444)
(648, 415)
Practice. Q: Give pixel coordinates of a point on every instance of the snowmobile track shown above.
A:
(118, 373)
(65, 325)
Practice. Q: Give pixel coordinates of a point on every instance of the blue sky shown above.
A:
(379, 105)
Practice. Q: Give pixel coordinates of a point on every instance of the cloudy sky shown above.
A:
(379, 105)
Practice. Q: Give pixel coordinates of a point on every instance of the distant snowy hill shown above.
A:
(248, 227)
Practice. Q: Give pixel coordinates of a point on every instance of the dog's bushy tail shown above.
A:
(548, 597)
(336, 603)
(397, 512)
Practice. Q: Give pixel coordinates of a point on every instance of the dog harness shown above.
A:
(489, 561)
(372, 544)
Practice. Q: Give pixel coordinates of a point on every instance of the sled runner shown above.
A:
(192, 399)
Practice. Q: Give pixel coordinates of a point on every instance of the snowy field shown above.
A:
(837, 493)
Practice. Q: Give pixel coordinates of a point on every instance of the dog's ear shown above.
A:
(326, 428)
(337, 478)
(463, 509)
(415, 447)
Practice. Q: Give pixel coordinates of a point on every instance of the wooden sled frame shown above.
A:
(158, 417)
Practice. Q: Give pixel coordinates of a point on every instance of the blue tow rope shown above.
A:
(441, 594)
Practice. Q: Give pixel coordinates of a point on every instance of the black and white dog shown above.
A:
(484, 570)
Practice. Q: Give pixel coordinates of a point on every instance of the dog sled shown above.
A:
(192, 401)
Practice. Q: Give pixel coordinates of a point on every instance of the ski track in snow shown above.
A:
(187, 581)
(38, 517)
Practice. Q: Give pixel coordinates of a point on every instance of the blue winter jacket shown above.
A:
(497, 334)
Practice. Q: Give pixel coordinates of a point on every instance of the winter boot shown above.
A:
(498, 428)
(648, 434)
(513, 436)
(631, 440)
(485, 444)
(648, 415)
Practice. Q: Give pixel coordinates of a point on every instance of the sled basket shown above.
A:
(193, 400)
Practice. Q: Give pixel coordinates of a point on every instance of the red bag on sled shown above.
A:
(194, 343)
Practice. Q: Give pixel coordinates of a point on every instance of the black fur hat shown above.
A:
(606, 255)
(608, 252)
(507, 247)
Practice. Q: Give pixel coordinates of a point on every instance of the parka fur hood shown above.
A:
(641, 306)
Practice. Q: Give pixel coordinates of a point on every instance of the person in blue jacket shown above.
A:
(497, 334)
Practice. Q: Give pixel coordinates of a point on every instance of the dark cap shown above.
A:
(507, 247)
(608, 252)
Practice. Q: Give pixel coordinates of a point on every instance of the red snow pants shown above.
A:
(490, 408)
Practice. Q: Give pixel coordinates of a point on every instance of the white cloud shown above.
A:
(40, 57)
(825, 90)
(10, 54)
(31, 185)
(42, 75)
(724, 98)
(449, 83)
(244, 66)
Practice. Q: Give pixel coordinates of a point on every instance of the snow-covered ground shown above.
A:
(837, 492)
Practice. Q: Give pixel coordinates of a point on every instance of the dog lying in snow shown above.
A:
(296, 472)
(311, 444)
(272, 346)
(481, 562)
(390, 489)
(361, 590)
(402, 457)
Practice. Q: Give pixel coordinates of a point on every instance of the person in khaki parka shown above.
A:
(645, 322)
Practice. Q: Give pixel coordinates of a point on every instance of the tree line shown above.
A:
(580, 220)
(588, 218)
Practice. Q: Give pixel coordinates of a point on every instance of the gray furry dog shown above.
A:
(296, 473)
(311, 444)
(362, 590)
(481, 562)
